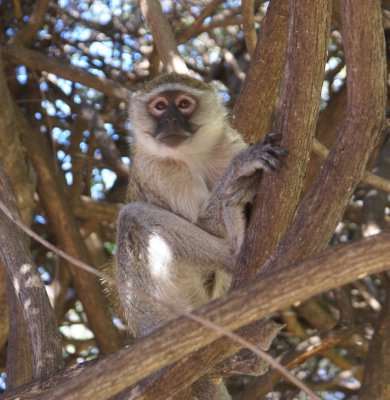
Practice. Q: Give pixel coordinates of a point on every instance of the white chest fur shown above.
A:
(186, 175)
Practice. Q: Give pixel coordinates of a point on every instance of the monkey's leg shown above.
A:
(162, 258)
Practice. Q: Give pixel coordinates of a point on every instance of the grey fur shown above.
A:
(178, 237)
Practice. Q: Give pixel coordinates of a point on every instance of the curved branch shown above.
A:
(185, 372)
(179, 338)
(297, 116)
(325, 202)
(293, 358)
(27, 331)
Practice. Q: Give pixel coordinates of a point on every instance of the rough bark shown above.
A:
(187, 371)
(378, 182)
(256, 102)
(322, 207)
(22, 177)
(376, 377)
(327, 127)
(296, 119)
(19, 362)
(41, 326)
(4, 326)
(14, 157)
(179, 338)
(57, 208)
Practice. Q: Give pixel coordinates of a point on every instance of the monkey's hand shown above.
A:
(246, 169)
(242, 181)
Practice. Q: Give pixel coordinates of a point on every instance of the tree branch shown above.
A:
(193, 29)
(19, 361)
(297, 116)
(328, 123)
(322, 207)
(261, 86)
(181, 337)
(185, 372)
(57, 208)
(293, 358)
(163, 36)
(26, 35)
(368, 177)
(249, 25)
(45, 342)
(376, 376)
(38, 61)
(19, 170)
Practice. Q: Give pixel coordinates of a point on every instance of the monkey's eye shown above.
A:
(186, 104)
(158, 106)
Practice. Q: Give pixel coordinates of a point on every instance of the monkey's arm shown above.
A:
(223, 215)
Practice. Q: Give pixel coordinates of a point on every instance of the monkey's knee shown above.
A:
(142, 215)
(130, 237)
(132, 222)
(132, 270)
(132, 213)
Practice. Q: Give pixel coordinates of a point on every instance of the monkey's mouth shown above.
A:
(172, 140)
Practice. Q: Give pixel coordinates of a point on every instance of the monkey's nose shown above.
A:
(172, 123)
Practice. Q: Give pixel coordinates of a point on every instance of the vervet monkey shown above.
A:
(191, 179)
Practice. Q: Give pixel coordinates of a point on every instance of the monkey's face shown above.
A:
(176, 116)
(173, 111)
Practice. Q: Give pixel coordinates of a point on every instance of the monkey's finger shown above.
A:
(277, 151)
(273, 138)
(268, 162)
(267, 152)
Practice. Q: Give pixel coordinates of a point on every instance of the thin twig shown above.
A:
(163, 36)
(249, 25)
(34, 24)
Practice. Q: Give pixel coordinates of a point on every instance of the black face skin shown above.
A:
(173, 111)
